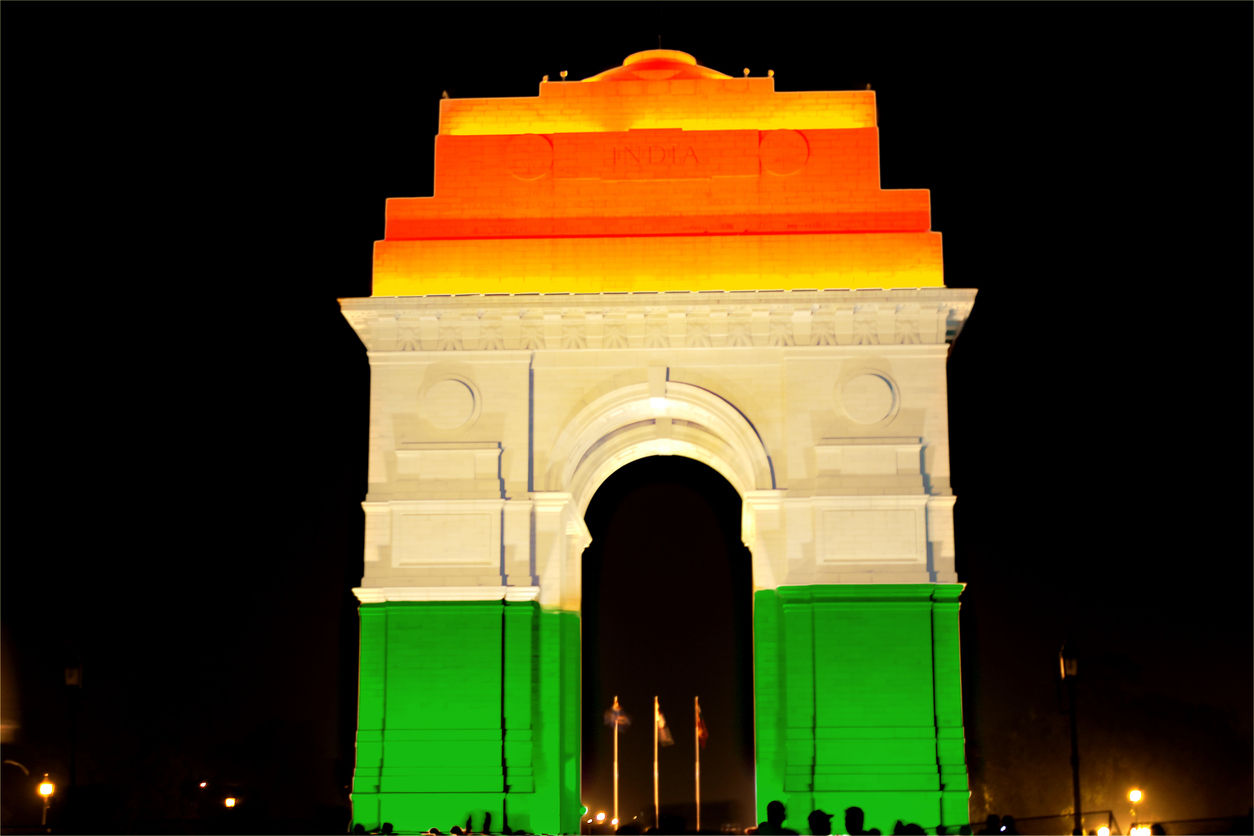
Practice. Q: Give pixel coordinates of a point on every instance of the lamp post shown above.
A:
(1069, 668)
(1134, 797)
(74, 689)
(46, 789)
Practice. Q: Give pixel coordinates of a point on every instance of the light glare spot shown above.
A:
(230, 802)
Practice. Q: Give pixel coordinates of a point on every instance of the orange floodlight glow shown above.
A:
(230, 802)
(658, 175)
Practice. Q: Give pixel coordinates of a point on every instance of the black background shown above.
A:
(189, 188)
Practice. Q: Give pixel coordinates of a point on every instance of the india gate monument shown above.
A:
(660, 260)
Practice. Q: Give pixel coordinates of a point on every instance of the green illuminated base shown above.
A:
(858, 702)
(464, 709)
(469, 708)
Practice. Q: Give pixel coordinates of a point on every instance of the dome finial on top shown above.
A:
(657, 65)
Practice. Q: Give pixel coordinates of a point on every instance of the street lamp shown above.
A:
(1069, 669)
(230, 802)
(1134, 797)
(46, 789)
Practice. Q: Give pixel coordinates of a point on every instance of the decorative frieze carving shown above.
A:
(626, 320)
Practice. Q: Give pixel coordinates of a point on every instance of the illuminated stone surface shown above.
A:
(787, 325)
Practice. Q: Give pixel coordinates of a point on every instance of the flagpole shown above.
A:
(615, 762)
(696, 744)
(657, 818)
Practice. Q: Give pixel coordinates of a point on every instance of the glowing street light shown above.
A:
(1139, 830)
(230, 802)
(600, 817)
(46, 789)
(614, 822)
(1103, 831)
(1134, 796)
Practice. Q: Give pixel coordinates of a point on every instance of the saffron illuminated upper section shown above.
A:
(660, 88)
(657, 175)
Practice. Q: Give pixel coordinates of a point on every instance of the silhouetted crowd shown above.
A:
(821, 824)
(819, 821)
(455, 830)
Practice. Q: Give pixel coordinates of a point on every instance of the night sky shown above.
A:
(190, 187)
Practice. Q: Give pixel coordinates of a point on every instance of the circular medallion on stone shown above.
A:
(784, 152)
(448, 404)
(868, 398)
(529, 157)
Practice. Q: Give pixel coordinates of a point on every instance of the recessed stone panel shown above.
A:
(870, 535)
(868, 398)
(448, 404)
(445, 540)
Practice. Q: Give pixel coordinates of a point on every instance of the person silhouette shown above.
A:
(820, 823)
(774, 824)
(854, 819)
(992, 825)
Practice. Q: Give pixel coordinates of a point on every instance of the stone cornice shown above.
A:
(378, 595)
(667, 320)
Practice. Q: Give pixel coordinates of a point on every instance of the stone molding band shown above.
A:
(379, 595)
(702, 319)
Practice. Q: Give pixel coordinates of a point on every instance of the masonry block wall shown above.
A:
(660, 260)
(468, 708)
(857, 701)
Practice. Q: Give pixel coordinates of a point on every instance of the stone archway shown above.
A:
(651, 418)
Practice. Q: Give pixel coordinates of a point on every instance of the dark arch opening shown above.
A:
(667, 611)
